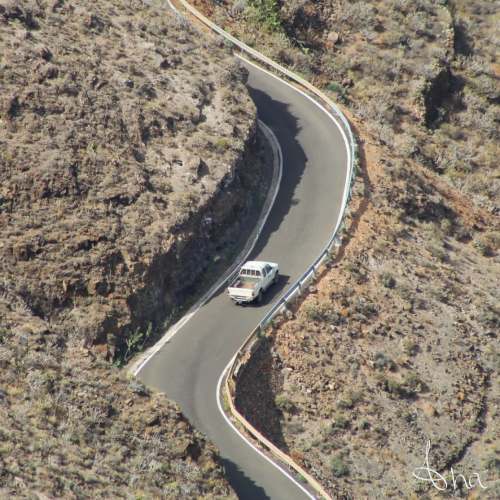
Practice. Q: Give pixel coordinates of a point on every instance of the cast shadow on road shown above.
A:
(277, 116)
(245, 488)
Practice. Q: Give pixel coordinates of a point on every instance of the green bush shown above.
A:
(334, 87)
(492, 462)
(398, 389)
(356, 396)
(410, 346)
(223, 143)
(406, 416)
(338, 466)
(341, 422)
(266, 12)
(381, 360)
(283, 402)
(413, 380)
(345, 403)
(312, 312)
(387, 279)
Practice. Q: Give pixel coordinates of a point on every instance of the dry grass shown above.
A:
(72, 426)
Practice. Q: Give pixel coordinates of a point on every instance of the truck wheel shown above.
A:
(259, 297)
(276, 277)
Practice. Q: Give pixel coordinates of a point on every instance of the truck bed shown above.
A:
(246, 284)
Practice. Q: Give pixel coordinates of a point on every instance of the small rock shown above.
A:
(312, 289)
(100, 350)
(430, 410)
(333, 37)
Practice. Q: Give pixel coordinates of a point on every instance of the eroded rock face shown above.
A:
(434, 92)
(126, 151)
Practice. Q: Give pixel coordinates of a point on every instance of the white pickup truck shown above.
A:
(254, 278)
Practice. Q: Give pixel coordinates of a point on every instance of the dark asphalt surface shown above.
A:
(298, 228)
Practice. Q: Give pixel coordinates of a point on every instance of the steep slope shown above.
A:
(129, 146)
(397, 344)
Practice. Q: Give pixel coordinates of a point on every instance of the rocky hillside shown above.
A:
(127, 150)
(424, 75)
(71, 427)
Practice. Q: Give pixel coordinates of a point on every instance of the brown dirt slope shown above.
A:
(126, 151)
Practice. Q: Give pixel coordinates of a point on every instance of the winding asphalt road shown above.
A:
(187, 368)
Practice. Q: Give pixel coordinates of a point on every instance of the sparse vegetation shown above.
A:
(387, 279)
(283, 403)
(338, 465)
(410, 347)
(95, 427)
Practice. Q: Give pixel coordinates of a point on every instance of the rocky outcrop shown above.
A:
(129, 147)
(434, 92)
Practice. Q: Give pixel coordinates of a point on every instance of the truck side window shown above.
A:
(257, 273)
(268, 268)
(264, 272)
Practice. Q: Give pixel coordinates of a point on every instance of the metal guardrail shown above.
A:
(298, 287)
(277, 452)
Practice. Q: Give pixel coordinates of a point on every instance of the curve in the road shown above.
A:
(240, 259)
(309, 202)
